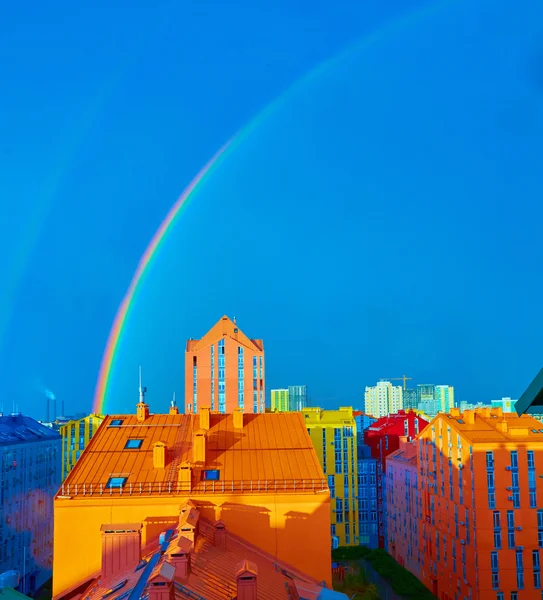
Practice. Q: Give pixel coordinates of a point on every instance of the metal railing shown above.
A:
(270, 486)
(188, 593)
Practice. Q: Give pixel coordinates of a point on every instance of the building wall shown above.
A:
(297, 395)
(367, 499)
(75, 437)
(383, 399)
(467, 479)
(30, 477)
(280, 524)
(226, 371)
(363, 421)
(403, 510)
(444, 396)
(279, 400)
(333, 433)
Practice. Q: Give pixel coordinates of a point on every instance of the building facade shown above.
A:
(256, 476)
(403, 506)
(383, 399)
(76, 435)
(297, 397)
(279, 400)
(30, 477)
(506, 404)
(383, 438)
(333, 433)
(426, 401)
(225, 369)
(409, 399)
(367, 497)
(481, 527)
(444, 397)
(363, 421)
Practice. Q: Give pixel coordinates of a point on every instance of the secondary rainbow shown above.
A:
(124, 309)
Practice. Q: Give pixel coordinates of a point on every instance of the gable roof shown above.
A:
(270, 448)
(17, 428)
(532, 399)
(224, 327)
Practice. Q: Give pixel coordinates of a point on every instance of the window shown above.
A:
(211, 475)
(494, 561)
(116, 482)
(514, 596)
(496, 518)
(116, 423)
(514, 459)
(531, 463)
(133, 444)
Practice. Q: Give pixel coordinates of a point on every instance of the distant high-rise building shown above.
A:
(383, 399)
(224, 370)
(30, 477)
(444, 397)
(279, 400)
(76, 435)
(506, 404)
(426, 399)
(409, 399)
(297, 397)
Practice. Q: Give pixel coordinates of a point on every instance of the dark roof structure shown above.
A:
(17, 429)
(531, 401)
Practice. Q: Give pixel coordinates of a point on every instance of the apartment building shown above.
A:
(383, 399)
(76, 434)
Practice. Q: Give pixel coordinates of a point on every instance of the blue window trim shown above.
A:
(211, 475)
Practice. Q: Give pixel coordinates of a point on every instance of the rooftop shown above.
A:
(406, 454)
(492, 425)
(224, 327)
(16, 429)
(264, 453)
(383, 423)
(532, 399)
(210, 572)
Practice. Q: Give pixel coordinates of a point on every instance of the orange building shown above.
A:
(481, 534)
(403, 509)
(224, 370)
(257, 474)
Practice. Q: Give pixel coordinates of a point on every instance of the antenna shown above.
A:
(142, 391)
(173, 401)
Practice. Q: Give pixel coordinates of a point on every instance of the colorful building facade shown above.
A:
(256, 474)
(333, 433)
(30, 477)
(76, 435)
(363, 421)
(279, 401)
(367, 497)
(481, 527)
(225, 369)
(403, 513)
(383, 399)
(383, 438)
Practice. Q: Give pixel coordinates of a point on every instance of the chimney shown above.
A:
(188, 523)
(199, 446)
(179, 557)
(161, 584)
(454, 412)
(497, 411)
(205, 417)
(159, 455)
(142, 412)
(468, 416)
(219, 535)
(184, 477)
(237, 417)
(403, 439)
(246, 573)
(121, 549)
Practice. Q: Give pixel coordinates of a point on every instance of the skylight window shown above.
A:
(116, 423)
(541, 431)
(534, 430)
(116, 482)
(211, 475)
(133, 444)
(460, 421)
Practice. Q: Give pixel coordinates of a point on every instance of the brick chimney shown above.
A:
(205, 418)
(159, 455)
(184, 477)
(161, 583)
(142, 411)
(179, 557)
(121, 549)
(246, 573)
(237, 417)
(199, 446)
(219, 535)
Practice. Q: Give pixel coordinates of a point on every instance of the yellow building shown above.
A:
(75, 437)
(333, 433)
(279, 400)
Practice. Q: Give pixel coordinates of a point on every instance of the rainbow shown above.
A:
(123, 311)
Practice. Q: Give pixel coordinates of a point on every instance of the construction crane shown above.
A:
(403, 378)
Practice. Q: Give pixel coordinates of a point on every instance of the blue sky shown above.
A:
(384, 219)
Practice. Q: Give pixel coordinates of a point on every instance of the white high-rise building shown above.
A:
(444, 397)
(383, 399)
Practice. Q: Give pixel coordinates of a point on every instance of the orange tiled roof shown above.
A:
(224, 326)
(270, 448)
(213, 570)
(493, 425)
